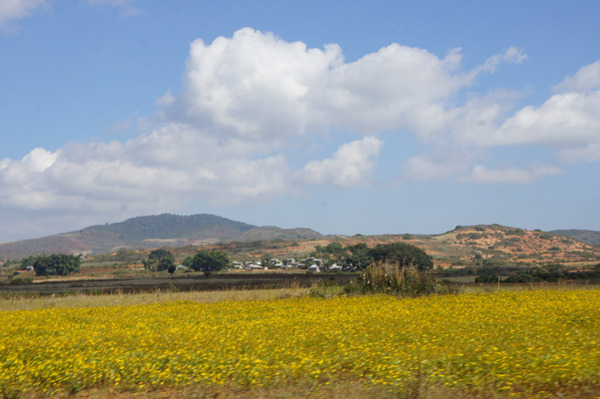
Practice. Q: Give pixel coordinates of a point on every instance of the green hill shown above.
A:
(138, 233)
(167, 226)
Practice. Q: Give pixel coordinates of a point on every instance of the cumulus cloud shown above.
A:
(256, 85)
(513, 175)
(568, 121)
(351, 164)
(14, 9)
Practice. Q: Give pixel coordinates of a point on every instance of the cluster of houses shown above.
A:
(314, 265)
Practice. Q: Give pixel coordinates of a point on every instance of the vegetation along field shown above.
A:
(530, 343)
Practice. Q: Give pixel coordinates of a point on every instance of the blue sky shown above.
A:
(344, 116)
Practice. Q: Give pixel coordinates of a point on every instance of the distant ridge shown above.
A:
(138, 233)
(269, 233)
(168, 226)
(589, 237)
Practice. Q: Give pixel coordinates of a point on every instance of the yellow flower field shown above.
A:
(522, 343)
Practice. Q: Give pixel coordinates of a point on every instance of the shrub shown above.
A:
(20, 281)
(326, 289)
(383, 277)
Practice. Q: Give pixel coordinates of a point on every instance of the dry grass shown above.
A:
(146, 298)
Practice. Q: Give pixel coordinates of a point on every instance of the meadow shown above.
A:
(532, 343)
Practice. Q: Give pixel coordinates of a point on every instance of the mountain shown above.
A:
(589, 237)
(140, 232)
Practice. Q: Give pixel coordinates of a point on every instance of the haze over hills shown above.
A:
(150, 232)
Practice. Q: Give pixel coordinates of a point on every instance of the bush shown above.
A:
(383, 277)
(326, 289)
(20, 281)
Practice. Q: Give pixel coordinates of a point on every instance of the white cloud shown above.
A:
(511, 55)
(587, 78)
(589, 153)
(258, 86)
(512, 175)
(351, 164)
(564, 120)
(568, 122)
(166, 168)
(14, 9)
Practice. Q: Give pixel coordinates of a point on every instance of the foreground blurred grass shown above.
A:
(530, 343)
(24, 302)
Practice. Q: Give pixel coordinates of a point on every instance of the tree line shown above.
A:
(359, 256)
(205, 261)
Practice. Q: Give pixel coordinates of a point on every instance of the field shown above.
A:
(181, 282)
(504, 344)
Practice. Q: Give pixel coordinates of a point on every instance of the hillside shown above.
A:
(270, 233)
(140, 232)
(589, 237)
(508, 244)
(464, 246)
(481, 245)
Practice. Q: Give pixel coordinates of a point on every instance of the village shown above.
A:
(311, 265)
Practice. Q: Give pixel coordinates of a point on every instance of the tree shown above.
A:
(47, 265)
(405, 255)
(209, 261)
(159, 260)
(29, 261)
(336, 249)
(360, 256)
(172, 268)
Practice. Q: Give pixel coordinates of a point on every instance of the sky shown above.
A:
(348, 117)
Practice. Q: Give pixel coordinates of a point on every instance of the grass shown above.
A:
(23, 302)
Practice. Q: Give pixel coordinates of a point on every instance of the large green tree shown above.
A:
(47, 265)
(405, 255)
(209, 261)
